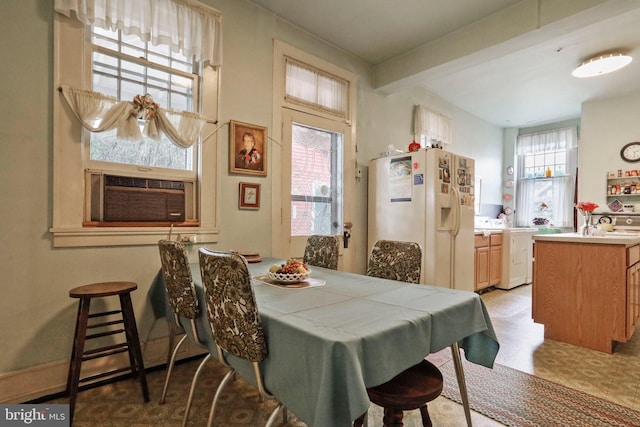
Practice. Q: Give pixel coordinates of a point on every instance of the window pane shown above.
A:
(539, 160)
(528, 162)
(106, 147)
(316, 177)
(159, 59)
(549, 159)
(107, 85)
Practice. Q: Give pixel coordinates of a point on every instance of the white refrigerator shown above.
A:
(427, 197)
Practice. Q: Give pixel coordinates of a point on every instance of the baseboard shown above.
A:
(51, 378)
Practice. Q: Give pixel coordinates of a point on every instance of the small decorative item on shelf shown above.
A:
(414, 146)
(586, 209)
(541, 221)
(615, 205)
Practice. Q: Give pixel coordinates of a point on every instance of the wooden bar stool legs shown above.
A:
(125, 324)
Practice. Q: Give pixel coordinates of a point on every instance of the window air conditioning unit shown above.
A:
(115, 198)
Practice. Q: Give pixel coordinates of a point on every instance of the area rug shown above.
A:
(515, 398)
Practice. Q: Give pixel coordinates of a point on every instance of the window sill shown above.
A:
(128, 236)
(539, 178)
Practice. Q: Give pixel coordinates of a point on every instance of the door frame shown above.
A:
(279, 247)
(293, 246)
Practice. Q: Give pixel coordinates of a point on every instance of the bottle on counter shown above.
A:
(548, 172)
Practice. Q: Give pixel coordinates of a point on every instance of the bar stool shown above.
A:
(411, 389)
(132, 345)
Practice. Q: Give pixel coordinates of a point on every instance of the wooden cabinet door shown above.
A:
(495, 265)
(482, 267)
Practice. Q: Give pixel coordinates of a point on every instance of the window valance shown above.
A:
(100, 113)
(315, 88)
(186, 26)
(553, 140)
(432, 125)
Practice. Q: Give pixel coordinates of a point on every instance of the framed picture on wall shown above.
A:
(249, 196)
(247, 149)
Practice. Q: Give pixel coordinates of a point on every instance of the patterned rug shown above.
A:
(515, 398)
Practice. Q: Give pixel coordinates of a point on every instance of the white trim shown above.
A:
(70, 68)
(280, 52)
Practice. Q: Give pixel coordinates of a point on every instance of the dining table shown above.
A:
(338, 333)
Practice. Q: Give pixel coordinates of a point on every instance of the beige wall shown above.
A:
(36, 313)
(607, 125)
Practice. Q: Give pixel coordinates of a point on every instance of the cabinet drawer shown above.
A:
(481, 241)
(633, 255)
(496, 239)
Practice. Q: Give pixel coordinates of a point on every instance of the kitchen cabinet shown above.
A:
(586, 289)
(488, 260)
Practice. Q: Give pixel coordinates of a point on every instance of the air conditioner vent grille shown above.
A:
(132, 182)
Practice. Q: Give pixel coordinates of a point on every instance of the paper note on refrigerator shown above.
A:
(400, 179)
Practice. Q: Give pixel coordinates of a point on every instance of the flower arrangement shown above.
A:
(145, 107)
(586, 207)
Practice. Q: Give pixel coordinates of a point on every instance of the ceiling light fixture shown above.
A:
(602, 64)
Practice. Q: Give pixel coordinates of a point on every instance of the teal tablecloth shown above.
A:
(328, 344)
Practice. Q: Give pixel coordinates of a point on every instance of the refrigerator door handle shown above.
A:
(455, 193)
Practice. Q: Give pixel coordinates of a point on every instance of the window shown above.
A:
(180, 73)
(313, 88)
(431, 128)
(547, 164)
(125, 66)
(316, 181)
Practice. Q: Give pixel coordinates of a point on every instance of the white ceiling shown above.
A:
(508, 62)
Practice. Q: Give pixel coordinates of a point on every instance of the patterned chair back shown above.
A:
(395, 260)
(181, 291)
(322, 251)
(231, 305)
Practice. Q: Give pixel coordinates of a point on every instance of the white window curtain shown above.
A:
(311, 87)
(186, 26)
(562, 187)
(100, 113)
(434, 126)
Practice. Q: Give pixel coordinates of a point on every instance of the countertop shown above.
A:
(610, 238)
(488, 231)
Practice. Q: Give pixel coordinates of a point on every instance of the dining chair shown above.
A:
(184, 304)
(322, 251)
(395, 260)
(233, 315)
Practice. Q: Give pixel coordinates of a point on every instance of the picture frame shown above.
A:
(249, 196)
(247, 149)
